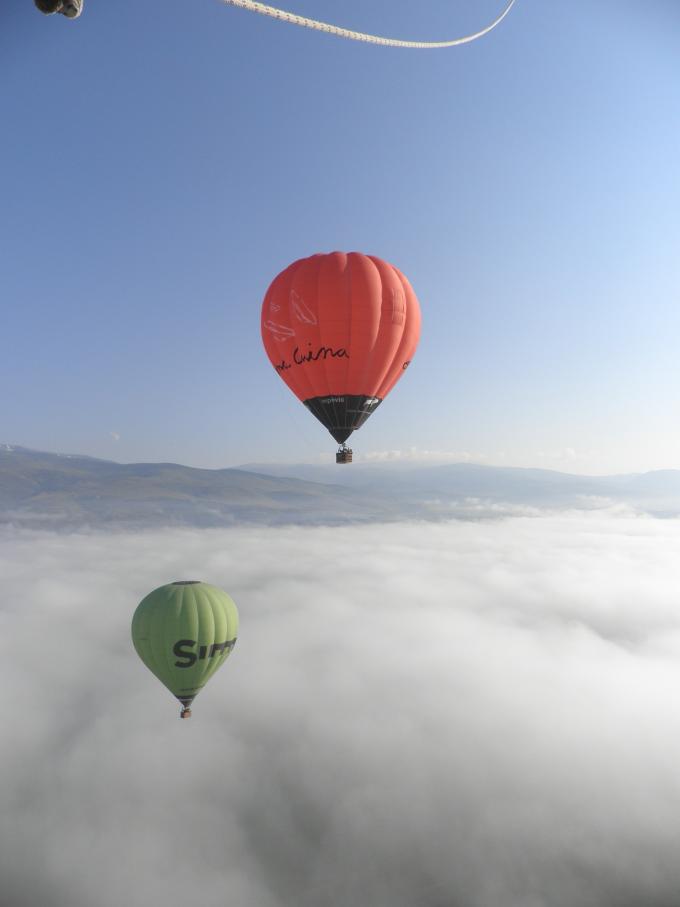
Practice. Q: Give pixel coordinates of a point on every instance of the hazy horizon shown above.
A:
(389, 458)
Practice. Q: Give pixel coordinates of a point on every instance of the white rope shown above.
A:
(276, 13)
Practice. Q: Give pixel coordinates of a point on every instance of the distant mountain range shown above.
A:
(68, 491)
(464, 487)
(48, 490)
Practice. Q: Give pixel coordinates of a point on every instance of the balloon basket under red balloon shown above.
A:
(343, 455)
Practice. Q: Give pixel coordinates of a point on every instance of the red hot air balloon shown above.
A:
(340, 329)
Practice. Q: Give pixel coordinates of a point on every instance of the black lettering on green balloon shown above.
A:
(221, 646)
(189, 656)
(204, 652)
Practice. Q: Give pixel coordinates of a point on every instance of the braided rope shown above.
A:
(294, 19)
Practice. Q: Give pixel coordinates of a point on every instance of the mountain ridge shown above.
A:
(52, 490)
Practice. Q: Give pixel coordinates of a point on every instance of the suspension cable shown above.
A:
(275, 13)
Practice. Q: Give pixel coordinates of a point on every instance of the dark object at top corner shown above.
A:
(69, 8)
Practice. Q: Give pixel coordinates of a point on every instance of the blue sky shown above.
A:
(161, 166)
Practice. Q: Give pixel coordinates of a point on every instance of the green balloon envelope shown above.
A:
(184, 632)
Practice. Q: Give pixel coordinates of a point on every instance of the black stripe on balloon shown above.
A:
(342, 414)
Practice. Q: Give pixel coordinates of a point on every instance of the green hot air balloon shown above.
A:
(183, 632)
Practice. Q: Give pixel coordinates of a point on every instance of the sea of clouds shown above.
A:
(462, 714)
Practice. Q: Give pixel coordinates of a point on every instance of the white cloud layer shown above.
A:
(479, 714)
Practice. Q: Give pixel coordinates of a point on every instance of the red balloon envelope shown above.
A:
(340, 329)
